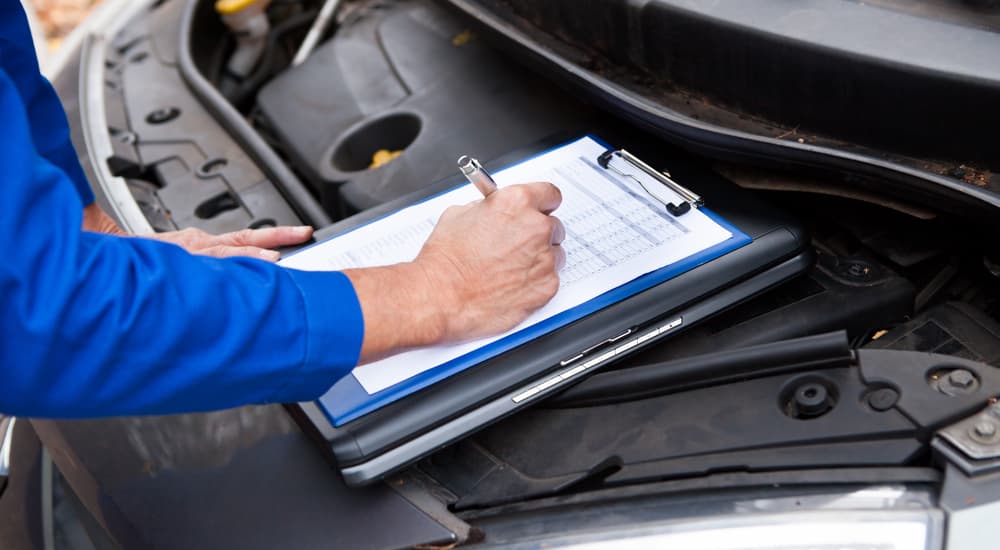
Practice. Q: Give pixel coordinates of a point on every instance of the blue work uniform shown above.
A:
(97, 325)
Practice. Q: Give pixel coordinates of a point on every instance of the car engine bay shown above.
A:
(884, 263)
(380, 110)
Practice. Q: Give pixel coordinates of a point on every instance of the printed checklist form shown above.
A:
(615, 233)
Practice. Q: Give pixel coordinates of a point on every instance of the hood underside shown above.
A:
(863, 93)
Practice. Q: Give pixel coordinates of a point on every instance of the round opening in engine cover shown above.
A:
(373, 143)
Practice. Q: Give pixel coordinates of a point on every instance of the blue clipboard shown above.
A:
(347, 400)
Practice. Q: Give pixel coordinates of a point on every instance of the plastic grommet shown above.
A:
(164, 115)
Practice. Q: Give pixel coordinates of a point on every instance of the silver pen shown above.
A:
(477, 175)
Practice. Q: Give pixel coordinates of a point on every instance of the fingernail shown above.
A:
(302, 230)
(269, 255)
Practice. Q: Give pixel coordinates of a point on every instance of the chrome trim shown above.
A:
(6, 443)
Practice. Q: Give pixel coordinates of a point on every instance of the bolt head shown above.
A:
(857, 270)
(961, 378)
(985, 429)
(882, 399)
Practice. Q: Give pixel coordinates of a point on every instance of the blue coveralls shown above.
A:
(94, 325)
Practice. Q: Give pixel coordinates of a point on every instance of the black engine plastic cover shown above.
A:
(371, 88)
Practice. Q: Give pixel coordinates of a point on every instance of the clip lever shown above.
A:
(691, 199)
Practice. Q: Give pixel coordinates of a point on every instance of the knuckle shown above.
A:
(560, 257)
(559, 231)
(556, 192)
(450, 213)
(214, 251)
(549, 262)
(517, 195)
(543, 226)
(242, 251)
(551, 286)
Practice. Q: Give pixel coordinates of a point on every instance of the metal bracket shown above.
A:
(972, 444)
(977, 436)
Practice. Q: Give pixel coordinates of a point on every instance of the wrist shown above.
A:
(424, 303)
(97, 221)
(401, 308)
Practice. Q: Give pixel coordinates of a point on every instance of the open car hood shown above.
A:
(840, 89)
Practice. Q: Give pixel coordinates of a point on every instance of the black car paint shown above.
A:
(243, 478)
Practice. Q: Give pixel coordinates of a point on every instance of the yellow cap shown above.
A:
(225, 7)
(383, 157)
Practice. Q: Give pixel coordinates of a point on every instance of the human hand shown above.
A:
(253, 243)
(486, 266)
(493, 262)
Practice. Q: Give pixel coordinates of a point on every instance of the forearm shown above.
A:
(400, 308)
(131, 326)
(97, 325)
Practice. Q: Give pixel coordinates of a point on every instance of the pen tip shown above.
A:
(463, 160)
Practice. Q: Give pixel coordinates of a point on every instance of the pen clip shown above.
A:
(690, 198)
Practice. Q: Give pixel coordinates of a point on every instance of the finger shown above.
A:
(271, 237)
(558, 231)
(189, 238)
(560, 254)
(543, 196)
(224, 251)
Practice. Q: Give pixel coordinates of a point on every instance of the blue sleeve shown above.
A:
(46, 117)
(96, 325)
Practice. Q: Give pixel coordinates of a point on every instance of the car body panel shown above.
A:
(243, 478)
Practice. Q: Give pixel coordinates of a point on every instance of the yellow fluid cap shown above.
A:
(225, 7)
(383, 157)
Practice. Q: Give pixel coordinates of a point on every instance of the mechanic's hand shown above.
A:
(245, 242)
(495, 261)
(484, 269)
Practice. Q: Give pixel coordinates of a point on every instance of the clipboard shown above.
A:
(351, 398)
(371, 435)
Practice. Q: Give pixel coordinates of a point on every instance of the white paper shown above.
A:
(614, 233)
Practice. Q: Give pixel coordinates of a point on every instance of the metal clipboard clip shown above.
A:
(691, 199)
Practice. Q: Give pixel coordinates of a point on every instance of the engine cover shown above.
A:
(410, 77)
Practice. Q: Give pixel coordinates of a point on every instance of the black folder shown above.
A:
(370, 446)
